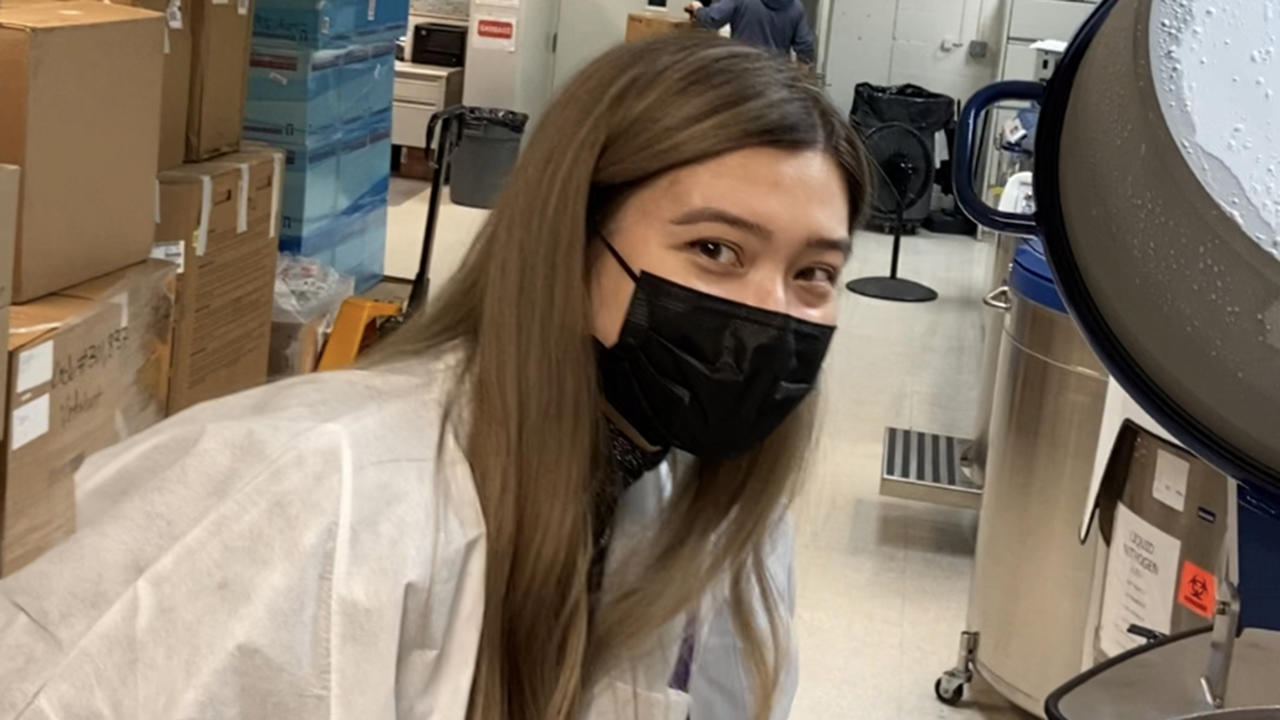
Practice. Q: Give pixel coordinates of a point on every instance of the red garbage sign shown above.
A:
(497, 29)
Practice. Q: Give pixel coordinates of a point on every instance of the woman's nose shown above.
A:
(767, 293)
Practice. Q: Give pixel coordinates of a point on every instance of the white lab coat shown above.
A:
(305, 550)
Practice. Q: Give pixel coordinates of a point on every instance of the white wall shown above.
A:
(536, 74)
(902, 41)
(590, 27)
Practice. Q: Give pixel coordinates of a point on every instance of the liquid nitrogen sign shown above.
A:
(495, 33)
(1142, 576)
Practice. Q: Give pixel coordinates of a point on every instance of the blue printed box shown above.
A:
(303, 96)
(295, 95)
(368, 80)
(312, 189)
(323, 236)
(328, 187)
(365, 164)
(383, 20)
(308, 23)
(363, 256)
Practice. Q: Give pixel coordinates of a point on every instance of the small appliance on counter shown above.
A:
(439, 44)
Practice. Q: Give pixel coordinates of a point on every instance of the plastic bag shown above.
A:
(926, 111)
(308, 294)
(477, 117)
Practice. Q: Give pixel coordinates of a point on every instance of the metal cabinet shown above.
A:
(1032, 20)
(420, 90)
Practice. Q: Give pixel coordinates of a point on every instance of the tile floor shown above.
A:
(883, 583)
(407, 216)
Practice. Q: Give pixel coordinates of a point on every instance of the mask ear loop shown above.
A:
(635, 277)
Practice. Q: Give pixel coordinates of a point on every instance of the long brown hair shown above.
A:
(518, 308)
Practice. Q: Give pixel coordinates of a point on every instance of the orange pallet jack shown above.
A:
(362, 322)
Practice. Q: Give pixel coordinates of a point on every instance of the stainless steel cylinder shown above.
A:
(1032, 578)
(993, 322)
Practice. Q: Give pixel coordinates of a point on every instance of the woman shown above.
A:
(489, 521)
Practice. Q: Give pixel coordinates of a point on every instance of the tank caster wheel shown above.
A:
(948, 692)
(950, 686)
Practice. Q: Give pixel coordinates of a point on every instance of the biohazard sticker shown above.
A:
(1198, 590)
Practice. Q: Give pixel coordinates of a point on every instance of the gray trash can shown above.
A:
(488, 150)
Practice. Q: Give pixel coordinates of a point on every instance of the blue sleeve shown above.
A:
(803, 44)
(718, 15)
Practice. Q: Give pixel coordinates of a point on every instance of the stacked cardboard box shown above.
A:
(80, 114)
(100, 103)
(206, 50)
(9, 177)
(644, 25)
(220, 50)
(80, 87)
(320, 87)
(218, 223)
(89, 366)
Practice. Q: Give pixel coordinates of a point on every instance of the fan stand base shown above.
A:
(891, 288)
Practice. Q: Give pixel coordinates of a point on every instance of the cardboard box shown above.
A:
(4, 399)
(87, 368)
(221, 34)
(80, 113)
(176, 86)
(295, 347)
(642, 26)
(10, 177)
(219, 220)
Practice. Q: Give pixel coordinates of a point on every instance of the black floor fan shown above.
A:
(904, 167)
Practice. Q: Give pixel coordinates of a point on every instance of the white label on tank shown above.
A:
(35, 367)
(1141, 578)
(1216, 76)
(1170, 484)
(29, 422)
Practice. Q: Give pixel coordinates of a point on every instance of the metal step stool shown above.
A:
(927, 467)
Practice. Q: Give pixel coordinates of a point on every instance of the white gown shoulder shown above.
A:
(312, 549)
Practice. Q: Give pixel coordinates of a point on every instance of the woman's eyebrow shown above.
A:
(708, 214)
(842, 245)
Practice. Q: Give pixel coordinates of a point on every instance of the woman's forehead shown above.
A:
(795, 192)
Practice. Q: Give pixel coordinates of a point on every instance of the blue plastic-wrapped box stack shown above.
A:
(320, 85)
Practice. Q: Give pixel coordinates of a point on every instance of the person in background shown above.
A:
(561, 491)
(778, 25)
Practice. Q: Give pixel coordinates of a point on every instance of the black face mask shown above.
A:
(710, 376)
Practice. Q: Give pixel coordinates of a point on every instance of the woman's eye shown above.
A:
(818, 274)
(716, 252)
